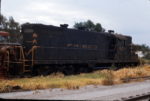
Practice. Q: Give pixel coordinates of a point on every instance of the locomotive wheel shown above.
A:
(83, 70)
(41, 70)
(69, 70)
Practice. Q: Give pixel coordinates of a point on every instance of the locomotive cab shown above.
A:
(11, 55)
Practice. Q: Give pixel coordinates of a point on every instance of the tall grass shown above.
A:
(59, 80)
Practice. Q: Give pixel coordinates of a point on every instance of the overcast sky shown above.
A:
(128, 17)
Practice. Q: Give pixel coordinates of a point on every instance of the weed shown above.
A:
(109, 78)
(71, 85)
(58, 80)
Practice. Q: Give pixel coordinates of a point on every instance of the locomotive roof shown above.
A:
(51, 27)
(123, 37)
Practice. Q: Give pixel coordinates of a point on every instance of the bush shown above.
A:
(108, 78)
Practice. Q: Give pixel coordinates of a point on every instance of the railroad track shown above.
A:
(136, 78)
(142, 97)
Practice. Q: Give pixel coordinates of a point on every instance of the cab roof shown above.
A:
(4, 33)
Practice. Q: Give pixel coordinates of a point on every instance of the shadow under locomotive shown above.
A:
(46, 49)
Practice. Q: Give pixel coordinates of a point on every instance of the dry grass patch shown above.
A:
(108, 77)
(132, 72)
(58, 80)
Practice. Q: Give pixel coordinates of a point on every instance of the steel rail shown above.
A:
(136, 78)
(138, 97)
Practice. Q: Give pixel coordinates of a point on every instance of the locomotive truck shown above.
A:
(46, 49)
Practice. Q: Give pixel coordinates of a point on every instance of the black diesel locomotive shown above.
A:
(46, 49)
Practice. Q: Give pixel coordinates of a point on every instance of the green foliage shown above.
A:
(147, 55)
(113, 67)
(11, 26)
(98, 28)
(109, 78)
(89, 26)
(145, 50)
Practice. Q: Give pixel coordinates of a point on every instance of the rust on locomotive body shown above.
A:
(3, 53)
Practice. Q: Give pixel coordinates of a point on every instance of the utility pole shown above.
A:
(0, 16)
(0, 7)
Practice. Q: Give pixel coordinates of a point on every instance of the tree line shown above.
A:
(89, 26)
(144, 49)
(11, 26)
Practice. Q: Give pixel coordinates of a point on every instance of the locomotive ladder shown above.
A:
(26, 66)
(26, 63)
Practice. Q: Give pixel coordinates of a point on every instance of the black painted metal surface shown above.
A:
(63, 44)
